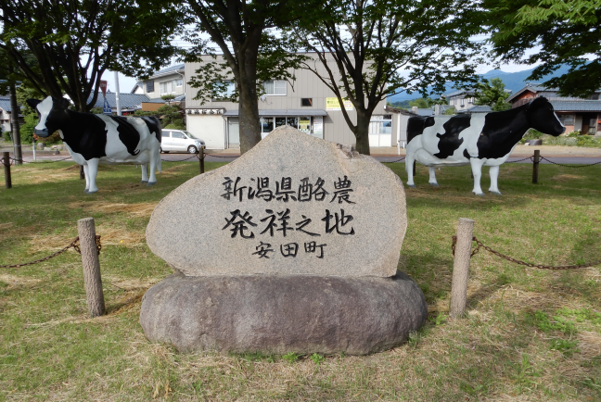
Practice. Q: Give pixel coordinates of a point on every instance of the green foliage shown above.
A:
(168, 98)
(450, 111)
(26, 130)
(291, 357)
(139, 113)
(96, 110)
(6, 136)
(317, 358)
(550, 324)
(172, 116)
(425, 103)
(552, 33)
(84, 39)
(566, 346)
(492, 94)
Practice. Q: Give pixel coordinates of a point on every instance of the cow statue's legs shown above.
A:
(409, 160)
(155, 162)
(494, 175)
(87, 175)
(476, 165)
(91, 173)
(432, 179)
(144, 166)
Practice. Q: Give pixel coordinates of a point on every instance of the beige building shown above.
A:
(308, 105)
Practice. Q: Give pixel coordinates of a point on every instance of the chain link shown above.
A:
(570, 166)
(519, 262)
(520, 160)
(72, 244)
(398, 160)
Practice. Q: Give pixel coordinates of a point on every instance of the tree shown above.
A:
(382, 47)
(76, 41)
(424, 103)
(553, 33)
(492, 94)
(251, 54)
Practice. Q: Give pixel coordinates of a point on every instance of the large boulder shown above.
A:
(283, 313)
(293, 204)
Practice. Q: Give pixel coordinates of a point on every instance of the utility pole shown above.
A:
(14, 120)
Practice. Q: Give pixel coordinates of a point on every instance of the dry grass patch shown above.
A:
(14, 281)
(139, 209)
(565, 177)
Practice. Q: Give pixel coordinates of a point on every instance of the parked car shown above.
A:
(180, 141)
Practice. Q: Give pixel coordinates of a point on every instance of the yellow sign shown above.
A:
(333, 104)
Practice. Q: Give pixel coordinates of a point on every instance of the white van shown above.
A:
(180, 141)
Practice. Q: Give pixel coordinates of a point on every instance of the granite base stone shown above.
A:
(283, 313)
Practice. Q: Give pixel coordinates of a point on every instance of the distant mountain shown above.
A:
(513, 81)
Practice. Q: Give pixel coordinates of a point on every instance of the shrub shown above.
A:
(26, 129)
(6, 136)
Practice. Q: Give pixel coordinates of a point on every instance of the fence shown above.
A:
(89, 247)
(462, 251)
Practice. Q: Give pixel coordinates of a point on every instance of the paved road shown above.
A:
(570, 160)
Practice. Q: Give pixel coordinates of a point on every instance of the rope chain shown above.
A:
(570, 166)
(72, 244)
(519, 262)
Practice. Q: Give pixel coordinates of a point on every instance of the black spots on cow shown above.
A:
(466, 154)
(501, 132)
(84, 136)
(154, 125)
(416, 126)
(449, 141)
(129, 136)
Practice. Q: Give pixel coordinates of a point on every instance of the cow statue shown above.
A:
(480, 139)
(92, 139)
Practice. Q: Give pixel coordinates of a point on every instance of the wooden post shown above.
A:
(201, 159)
(7, 180)
(535, 166)
(82, 174)
(461, 267)
(91, 266)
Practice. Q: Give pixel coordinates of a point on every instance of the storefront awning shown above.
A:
(283, 112)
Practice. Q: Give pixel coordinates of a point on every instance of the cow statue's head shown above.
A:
(542, 117)
(52, 112)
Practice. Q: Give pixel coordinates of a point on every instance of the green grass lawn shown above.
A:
(529, 335)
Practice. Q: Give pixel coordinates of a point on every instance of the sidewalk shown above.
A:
(519, 151)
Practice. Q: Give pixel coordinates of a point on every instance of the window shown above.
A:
(230, 89)
(595, 96)
(149, 86)
(566, 119)
(380, 124)
(166, 133)
(167, 87)
(179, 82)
(178, 135)
(275, 87)
(306, 101)
(267, 124)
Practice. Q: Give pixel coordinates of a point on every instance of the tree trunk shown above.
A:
(14, 119)
(250, 126)
(362, 133)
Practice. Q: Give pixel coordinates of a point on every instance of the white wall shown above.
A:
(209, 128)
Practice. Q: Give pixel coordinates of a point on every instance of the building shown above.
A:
(168, 81)
(576, 114)
(462, 100)
(129, 102)
(309, 105)
(5, 110)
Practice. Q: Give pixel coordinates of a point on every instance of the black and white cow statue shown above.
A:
(92, 139)
(479, 139)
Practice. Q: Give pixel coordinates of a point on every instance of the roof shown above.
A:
(535, 88)
(5, 103)
(178, 98)
(126, 100)
(477, 109)
(169, 70)
(577, 106)
(283, 112)
(461, 92)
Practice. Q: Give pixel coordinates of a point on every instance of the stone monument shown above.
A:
(293, 247)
